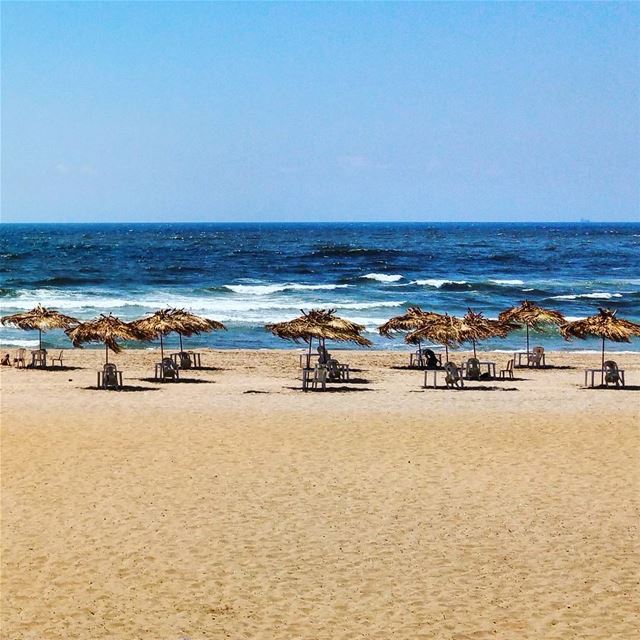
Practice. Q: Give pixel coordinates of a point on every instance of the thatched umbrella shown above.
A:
(40, 318)
(321, 324)
(413, 319)
(603, 325)
(107, 329)
(166, 321)
(191, 324)
(485, 328)
(532, 316)
(445, 330)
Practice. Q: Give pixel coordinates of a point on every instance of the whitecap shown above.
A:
(267, 289)
(383, 277)
(509, 282)
(437, 283)
(593, 296)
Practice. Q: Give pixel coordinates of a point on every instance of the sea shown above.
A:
(247, 275)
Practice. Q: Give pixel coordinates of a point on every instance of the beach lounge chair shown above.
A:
(536, 357)
(167, 369)
(473, 369)
(20, 358)
(508, 372)
(184, 360)
(453, 376)
(337, 371)
(111, 378)
(58, 359)
(311, 378)
(612, 374)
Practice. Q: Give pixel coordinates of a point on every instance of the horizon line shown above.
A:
(317, 222)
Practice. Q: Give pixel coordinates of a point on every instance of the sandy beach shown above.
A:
(233, 505)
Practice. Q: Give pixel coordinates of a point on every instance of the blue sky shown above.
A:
(320, 111)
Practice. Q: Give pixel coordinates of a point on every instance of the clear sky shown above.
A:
(320, 111)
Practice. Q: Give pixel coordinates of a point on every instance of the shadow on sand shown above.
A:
(125, 388)
(50, 368)
(331, 389)
(612, 387)
(480, 388)
(178, 381)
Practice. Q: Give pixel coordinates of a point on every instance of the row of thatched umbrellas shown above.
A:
(108, 330)
(321, 325)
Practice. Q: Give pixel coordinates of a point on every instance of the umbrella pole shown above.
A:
(474, 348)
(106, 352)
(446, 353)
(180, 342)
(161, 349)
(527, 343)
(602, 367)
(40, 338)
(309, 355)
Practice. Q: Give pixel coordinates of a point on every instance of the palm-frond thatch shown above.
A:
(321, 324)
(413, 319)
(182, 322)
(605, 325)
(486, 328)
(445, 330)
(108, 330)
(531, 316)
(40, 318)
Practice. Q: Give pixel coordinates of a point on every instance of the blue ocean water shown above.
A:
(249, 274)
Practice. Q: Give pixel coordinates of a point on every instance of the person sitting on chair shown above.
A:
(431, 359)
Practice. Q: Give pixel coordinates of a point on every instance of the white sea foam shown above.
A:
(508, 282)
(431, 282)
(383, 277)
(17, 342)
(603, 295)
(267, 289)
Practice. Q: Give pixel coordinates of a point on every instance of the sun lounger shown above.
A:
(109, 377)
(20, 359)
(453, 376)
(167, 369)
(312, 378)
(473, 369)
(508, 371)
(536, 357)
(613, 375)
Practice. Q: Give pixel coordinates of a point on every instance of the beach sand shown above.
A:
(233, 505)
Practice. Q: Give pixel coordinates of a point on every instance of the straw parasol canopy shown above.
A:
(413, 319)
(532, 316)
(485, 328)
(106, 329)
(605, 325)
(166, 321)
(445, 330)
(40, 318)
(321, 324)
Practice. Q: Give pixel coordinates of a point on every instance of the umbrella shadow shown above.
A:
(255, 391)
(178, 381)
(208, 369)
(50, 368)
(341, 389)
(127, 388)
(612, 387)
(478, 388)
(406, 367)
(353, 381)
